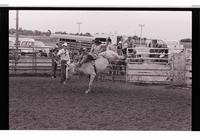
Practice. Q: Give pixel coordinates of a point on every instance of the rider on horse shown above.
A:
(94, 52)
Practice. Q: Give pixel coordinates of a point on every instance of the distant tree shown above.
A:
(58, 32)
(48, 32)
(136, 37)
(30, 32)
(20, 30)
(27, 32)
(88, 34)
(186, 40)
(12, 31)
(37, 33)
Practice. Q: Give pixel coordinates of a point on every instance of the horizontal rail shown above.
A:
(149, 53)
(148, 58)
(158, 63)
(147, 48)
(142, 69)
(154, 75)
(156, 82)
(27, 62)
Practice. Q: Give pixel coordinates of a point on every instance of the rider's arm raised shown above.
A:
(92, 48)
(60, 52)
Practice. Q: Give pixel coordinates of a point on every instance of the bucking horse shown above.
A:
(93, 67)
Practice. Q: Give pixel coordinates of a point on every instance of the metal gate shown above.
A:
(175, 68)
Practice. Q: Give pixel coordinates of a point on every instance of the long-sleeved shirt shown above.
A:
(53, 54)
(95, 50)
(130, 43)
(64, 55)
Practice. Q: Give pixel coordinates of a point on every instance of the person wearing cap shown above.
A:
(65, 60)
(119, 47)
(94, 52)
(108, 44)
(124, 48)
(129, 43)
(120, 44)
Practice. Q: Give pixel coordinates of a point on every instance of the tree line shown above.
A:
(81, 34)
(40, 33)
(30, 32)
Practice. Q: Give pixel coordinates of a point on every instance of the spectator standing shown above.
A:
(65, 60)
(124, 48)
(130, 42)
(54, 61)
(119, 48)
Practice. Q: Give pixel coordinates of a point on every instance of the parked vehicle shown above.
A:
(29, 46)
(41, 48)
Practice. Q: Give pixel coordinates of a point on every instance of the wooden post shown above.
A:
(172, 67)
(35, 60)
(185, 70)
(126, 72)
(32, 61)
(17, 39)
(112, 72)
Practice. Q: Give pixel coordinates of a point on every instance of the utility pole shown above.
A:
(79, 26)
(141, 26)
(17, 26)
(16, 40)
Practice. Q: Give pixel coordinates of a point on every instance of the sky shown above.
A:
(165, 25)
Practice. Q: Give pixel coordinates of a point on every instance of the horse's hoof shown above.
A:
(64, 83)
(87, 91)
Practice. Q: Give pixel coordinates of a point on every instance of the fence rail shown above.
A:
(188, 67)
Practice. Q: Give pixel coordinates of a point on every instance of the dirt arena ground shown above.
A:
(41, 103)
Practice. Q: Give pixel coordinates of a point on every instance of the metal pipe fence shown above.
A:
(141, 69)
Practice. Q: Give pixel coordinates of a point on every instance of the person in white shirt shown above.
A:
(65, 60)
